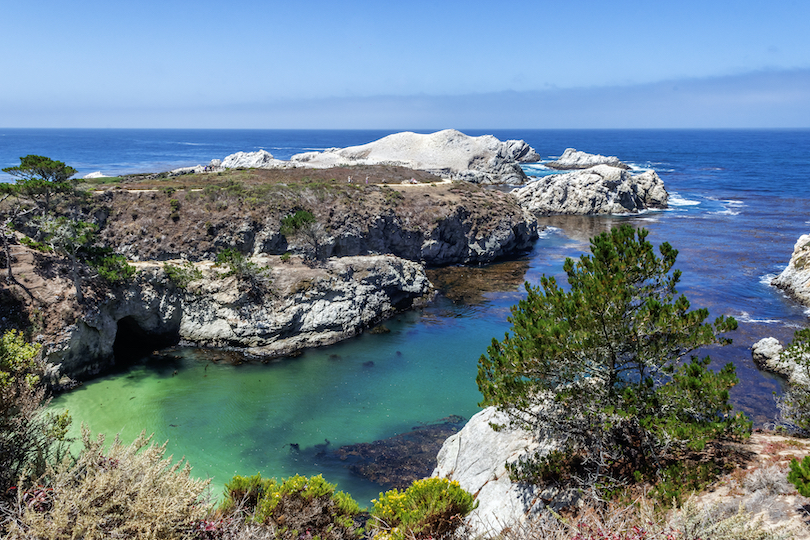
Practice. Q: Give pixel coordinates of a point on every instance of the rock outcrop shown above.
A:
(795, 278)
(599, 190)
(448, 153)
(573, 159)
(476, 457)
(767, 355)
(306, 307)
(435, 224)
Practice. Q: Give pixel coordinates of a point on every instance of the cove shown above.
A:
(230, 416)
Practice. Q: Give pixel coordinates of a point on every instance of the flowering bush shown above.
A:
(429, 508)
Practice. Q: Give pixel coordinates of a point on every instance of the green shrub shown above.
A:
(174, 204)
(114, 268)
(799, 475)
(182, 275)
(433, 507)
(33, 244)
(295, 507)
(294, 222)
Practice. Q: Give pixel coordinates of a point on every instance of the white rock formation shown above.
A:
(476, 457)
(767, 355)
(311, 308)
(574, 159)
(599, 190)
(448, 153)
(252, 160)
(795, 278)
(97, 174)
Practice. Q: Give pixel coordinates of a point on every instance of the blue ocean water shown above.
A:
(739, 202)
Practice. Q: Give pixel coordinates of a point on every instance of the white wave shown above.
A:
(192, 144)
(734, 203)
(538, 166)
(767, 279)
(726, 212)
(676, 200)
(746, 317)
(549, 230)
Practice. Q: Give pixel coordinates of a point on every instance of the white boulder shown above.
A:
(574, 159)
(252, 160)
(476, 457)
(599, 190)
(767, 355)
(97, 174)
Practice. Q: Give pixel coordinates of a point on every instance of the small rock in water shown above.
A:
(370, 363)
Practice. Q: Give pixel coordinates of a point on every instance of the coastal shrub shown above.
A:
(600, 366)
(253, 278)
(182, 275)
(642, 521)
(33, 244)
(303, 226)
(113, 267)
(799, 475)
(794, 404)
(294, 508)
(29, 438)
(428, 508)
(127, 491)
(174, 205)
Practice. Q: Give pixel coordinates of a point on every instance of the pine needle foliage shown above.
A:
(599, 366)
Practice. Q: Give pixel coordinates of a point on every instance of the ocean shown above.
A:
(739, 201)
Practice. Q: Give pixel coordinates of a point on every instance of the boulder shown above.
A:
(476, 457)
(599, 190)
(251, 160)
(97, 174)
(767, 356)
(448, 153)
(574, 159)
(795, 278)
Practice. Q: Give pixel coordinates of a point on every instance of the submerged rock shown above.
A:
(599, 190)
(573, 159)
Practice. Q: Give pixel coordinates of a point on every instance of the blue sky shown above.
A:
(432, 64)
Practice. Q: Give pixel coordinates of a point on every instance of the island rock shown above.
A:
(574, 159)
(448, 153)
(599, 190)
(767, 355)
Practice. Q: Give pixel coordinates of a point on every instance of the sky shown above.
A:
(416, 64)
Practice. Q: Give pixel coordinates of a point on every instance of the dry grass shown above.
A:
(128, 491)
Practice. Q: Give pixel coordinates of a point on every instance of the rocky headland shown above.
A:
(795, 278)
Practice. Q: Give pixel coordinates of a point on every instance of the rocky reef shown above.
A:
(301, 307)
(601, 189)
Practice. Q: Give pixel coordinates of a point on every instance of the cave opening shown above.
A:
(132, 342)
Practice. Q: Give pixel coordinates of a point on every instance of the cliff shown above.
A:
(296, 307)
(795, 278)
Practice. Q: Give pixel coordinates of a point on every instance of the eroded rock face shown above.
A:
(795, 278)
(261, 159)
(573, 159)
(448, 153)
(599, 190)
(476, 457)
(306, 308)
